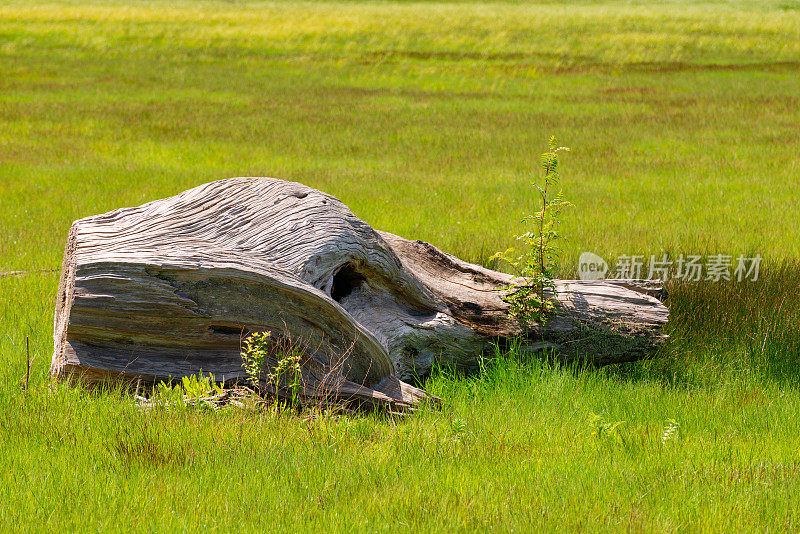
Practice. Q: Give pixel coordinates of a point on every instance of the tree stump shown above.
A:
(170, 288)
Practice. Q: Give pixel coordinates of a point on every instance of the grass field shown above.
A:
(426, 118)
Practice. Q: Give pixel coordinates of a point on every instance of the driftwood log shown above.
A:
(170, 288)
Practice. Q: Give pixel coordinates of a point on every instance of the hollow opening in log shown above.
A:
(345, 281)
(226, 330)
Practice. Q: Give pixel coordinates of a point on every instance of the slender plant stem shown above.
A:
(541, 236)
(28, 359)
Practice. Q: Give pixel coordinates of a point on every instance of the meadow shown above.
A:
(427, 120)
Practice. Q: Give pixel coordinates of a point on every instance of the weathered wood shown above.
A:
(169, 288)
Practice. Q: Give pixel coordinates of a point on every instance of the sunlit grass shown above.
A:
(402, 110)
(426, 119)
(511, 449)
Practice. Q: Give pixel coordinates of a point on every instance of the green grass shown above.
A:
(512, 450)
(426, 119)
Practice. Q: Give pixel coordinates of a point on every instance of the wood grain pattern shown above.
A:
(169, 288)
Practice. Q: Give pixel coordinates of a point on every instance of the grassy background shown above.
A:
(426, 119)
